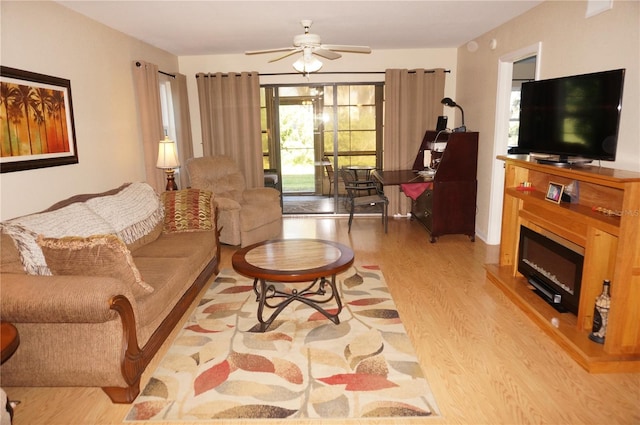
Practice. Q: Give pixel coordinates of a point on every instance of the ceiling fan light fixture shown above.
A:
(307, 63)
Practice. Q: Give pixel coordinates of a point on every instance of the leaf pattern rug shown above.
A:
(303, 366)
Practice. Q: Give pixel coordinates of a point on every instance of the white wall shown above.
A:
(376, 62)
(46, 38)
(571, 44)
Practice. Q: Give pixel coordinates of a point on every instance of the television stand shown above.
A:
(611, 248)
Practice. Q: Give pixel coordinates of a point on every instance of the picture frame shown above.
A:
(37, 128)
(554, 192)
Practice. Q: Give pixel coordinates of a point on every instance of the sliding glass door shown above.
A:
(309, 131)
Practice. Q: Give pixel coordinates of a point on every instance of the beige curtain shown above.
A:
(230, 117)
(412, 106)
(184, 138)
(145, 79)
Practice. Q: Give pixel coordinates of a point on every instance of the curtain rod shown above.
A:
(138, 64)
(430, 71)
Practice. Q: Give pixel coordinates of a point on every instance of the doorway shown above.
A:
(501, 131)
(297, 147)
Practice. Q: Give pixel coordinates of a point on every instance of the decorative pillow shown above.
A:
(29, 254)
(73, 220)
(98, 255)
(10, 262)
(133, 212)
(187, 210)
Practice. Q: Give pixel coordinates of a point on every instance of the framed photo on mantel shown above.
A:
(554, 192)
(36, 121)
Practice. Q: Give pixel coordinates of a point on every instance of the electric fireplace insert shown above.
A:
(553, 267)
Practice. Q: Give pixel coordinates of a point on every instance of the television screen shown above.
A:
(576, 116)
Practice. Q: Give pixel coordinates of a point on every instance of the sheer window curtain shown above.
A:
(230, 116)
(412, 106)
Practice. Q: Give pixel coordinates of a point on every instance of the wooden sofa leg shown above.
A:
(122, 395)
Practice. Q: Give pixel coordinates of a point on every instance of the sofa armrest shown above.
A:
(259, 195)
(60, 299)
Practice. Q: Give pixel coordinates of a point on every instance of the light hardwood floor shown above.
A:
(487, 363)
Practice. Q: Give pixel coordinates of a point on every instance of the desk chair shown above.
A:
(329, 168)
(359, 193)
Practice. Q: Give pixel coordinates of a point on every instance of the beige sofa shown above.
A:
(96, 283)
(246, 215)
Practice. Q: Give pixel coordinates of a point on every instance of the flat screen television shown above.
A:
(573, 119)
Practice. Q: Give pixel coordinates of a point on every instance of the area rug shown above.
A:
(303, 366)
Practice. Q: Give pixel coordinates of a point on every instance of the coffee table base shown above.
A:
(266, 292)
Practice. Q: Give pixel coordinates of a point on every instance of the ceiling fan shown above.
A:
(310, 44)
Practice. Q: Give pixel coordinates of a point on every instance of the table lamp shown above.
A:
(168, 161)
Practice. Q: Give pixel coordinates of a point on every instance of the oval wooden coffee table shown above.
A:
(314, 262)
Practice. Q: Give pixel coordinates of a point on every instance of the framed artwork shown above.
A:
(36, 121)
(554, 192)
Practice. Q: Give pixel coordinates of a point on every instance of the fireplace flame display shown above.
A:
(549, 276)
(552, 268)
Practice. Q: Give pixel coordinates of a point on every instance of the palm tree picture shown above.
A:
(36, 121)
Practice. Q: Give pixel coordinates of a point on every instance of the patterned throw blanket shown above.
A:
(130, 214)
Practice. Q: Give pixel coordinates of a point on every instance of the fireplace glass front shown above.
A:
(553, 269)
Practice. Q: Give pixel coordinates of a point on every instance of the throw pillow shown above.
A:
(11, 262)
(98, 255)
(73, 220)
(187, 210)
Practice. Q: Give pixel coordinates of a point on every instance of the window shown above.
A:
(168, 117)
(523, 70)
(166, 103)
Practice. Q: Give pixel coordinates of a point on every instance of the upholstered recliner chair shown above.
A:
(246, 216)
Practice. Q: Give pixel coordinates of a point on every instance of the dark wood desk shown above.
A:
(448, 205)
(398, 177)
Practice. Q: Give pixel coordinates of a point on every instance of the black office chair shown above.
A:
(363, 192)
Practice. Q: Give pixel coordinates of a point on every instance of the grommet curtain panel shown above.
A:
(230, 118)
(412, 106)
(147, 88)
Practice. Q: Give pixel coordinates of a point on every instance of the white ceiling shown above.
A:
(210, 27)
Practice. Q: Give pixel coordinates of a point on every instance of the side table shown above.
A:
(9, 340)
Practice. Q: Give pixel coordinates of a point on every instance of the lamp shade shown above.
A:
(448, 102)
(167, 155)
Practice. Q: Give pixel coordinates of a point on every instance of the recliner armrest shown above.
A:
(261, 194)
(226, 204)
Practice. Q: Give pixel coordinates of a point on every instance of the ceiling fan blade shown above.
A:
(343, 48)
(259, 52)
(293, 51)
(327, 54)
